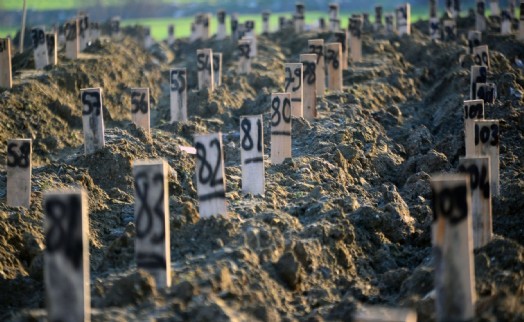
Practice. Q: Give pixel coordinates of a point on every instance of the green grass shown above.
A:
(8, 31)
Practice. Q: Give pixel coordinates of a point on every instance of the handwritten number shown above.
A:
(178, 81)
(144, 218)
(316, 50)
(452, 203)
(478, 179)
(201, 155)
(203, 62)
(18, 160)
(247, 141)
(138, 100)
(91, 102)
(309, 72)
(332, 57)
(485, 133)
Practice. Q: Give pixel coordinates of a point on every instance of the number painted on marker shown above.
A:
(18, 160)
(478, 178)
(203, 62)
(247, 142)
(91, 103)
(331, 56)
(487, 134)
(138, 100)
(206, 173)
(317, 49)
(178, 80)
(451, 203)
(473, 111)
(279, 113)
(310, 72)
(146, 213)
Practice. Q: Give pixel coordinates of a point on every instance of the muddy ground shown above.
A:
(345, 222)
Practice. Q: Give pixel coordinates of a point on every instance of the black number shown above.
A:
(203, 62)
(144, 217)
(247, 141)
(309, 72)
(91, 102)
(70, 31)
(216, 63)
(275, 106)
(138, 100)
(473, 111)
(178, 80)
(451, 203)
(18, 160)
(291, 80)
(332, 57)
(245, 50)
(341, 38)
(485, 133)
(38, 37)
(205, 166)
(481, 58)
(62, 235)
(314, 49)
(481, 78)
(478, 178)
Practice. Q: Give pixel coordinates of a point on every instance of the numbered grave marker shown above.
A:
(115, 27)
(6, 79)
(378, 17)
(334, 22)
(309, 62)
(480, 16)
(474, 39)
(244, 56)
(434, 21)
(487, 142)
(152, 243)
(234, 26)
(178, 94)
(217, 67)
(92, 119)
(495, 8)
(72, 39)
(280, 127)
(479, 75)
(249, 27)
(211, 182)
(52, 49)
(505, 25)
(140, 110)
(355, 39)
(252, 154)
(66, 256)
(205, 69)
(334, 68)
(384, 314)
(481, 56)
(39, 47)
(206, 20)
(316, 46)
(486, 92)
(221, 29)
(19, 172)
(450, 30)
(293, 85)
(170, 35)
(390, 23)
(342, 38)
(299, 18)
(265, 22)
(453, 248)
(83, 32)
(520, 35)
(478, 170)
(473, 110)
(403, 15)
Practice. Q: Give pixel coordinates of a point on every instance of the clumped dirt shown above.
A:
(345, 222)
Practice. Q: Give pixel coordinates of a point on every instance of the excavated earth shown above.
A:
(345, 222)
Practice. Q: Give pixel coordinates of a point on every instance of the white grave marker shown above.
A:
(293, 85)
(280, 127)
(487, 142)
(83, 25)
(478, 169)
(205, 69)
(390, 23)
(92, 119)
(505, 24)
(334, 69)
(403, 15)
(486, 92)
(152, 243)
(479, 75)
(140, 110)
(299, 18)
(474, 39)
(6, 79)
(355, 39)
(39, 47)
(480, 16)
(19, 172)
(94, 31)
(450, 30)
(334, 22)
(52, 47)
(234, 26)
(217, 68)
(170, 35)
(221, 29)
(252, 154)
(244, 56)
(211, 182)
(250, 33)
(309, 62)
(72, 39)
(481, 56)
(115, 27)
(66, 257)
(473, 110)
(265, 22)
(178, 94)
(452, 239)
(316, 46)
(148, 40)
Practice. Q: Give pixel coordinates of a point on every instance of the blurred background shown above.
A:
(159, 13)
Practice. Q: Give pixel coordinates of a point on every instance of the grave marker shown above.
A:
(450, 30)
(481, 56)
(378, 18)
(495, 8)
(148, 40)
(140, 110)
(293, 85)
(505, 25)
(94, 31)
(486, 92)
(334, 22)
(92, 119)
(205, 69)
(355, 39)
(390, 23)
(115, 27)
(39, 47)
(83, 34)
(383, 314)
(342, 38)
(474, 39)
(487, 142)
(250, 33)
(478, 169)
(217, 69)
(6, 79)
(152, 243)
(403, 15)
(434, 21)
(299, 18)
(252, 154)
(178, 94)
(265, 22)
(211, 182)
(52, 47)
(244, 58)
(321, 24)
(170, 35)
(473, 110)
(309, 62)
(480, 17)
(479, 74)
(234, 26)
(280, 127)
(453, 248)
(334, 68)
(316, 46)
(19, 169)
(72, 39)
(66, 256)
(221, 29)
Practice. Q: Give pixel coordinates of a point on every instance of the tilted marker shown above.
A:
(140, 110)
(92, 119)
(6, 79)
(293, 85)
(39, 47)
(19, 172)
(178, 94)
(280, 127)
(205, 69)
(309, 62)
(334, 68)
(252, 154)
(316, 46)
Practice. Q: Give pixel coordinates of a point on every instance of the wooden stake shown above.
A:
(83, 25)
(6, 79)
(342, 38)
(474, 39)
(250, 33)
(234, 26)
(481, 56)
(384, 314)
(39, 47)
(403, 15)
(479, 74)
(280, 127)
(453, 248)
(355, 39)
(505, 25)
(252, 154)
(495, 8)
(450, 30)
(178, 94)
(19, 153)
(309, 62)
(148, 40)
(211, 182)
(487, 142)
(170, 35)
(265, 22)
(72, 39)
(520, 35)
(334, 24)
(480, 16)
(478, 170)
(316, 46)
(205, 69)
(115, 27)
(140, 110)
(217, 67)
(293, 85)
(299, 18)
(66, 257)
(92, 119)
(473, 110)
(52, 47)
(390, 23)
(152, 243)
(221, 29)
(334, 68)
(378, 18)
(244, 55)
